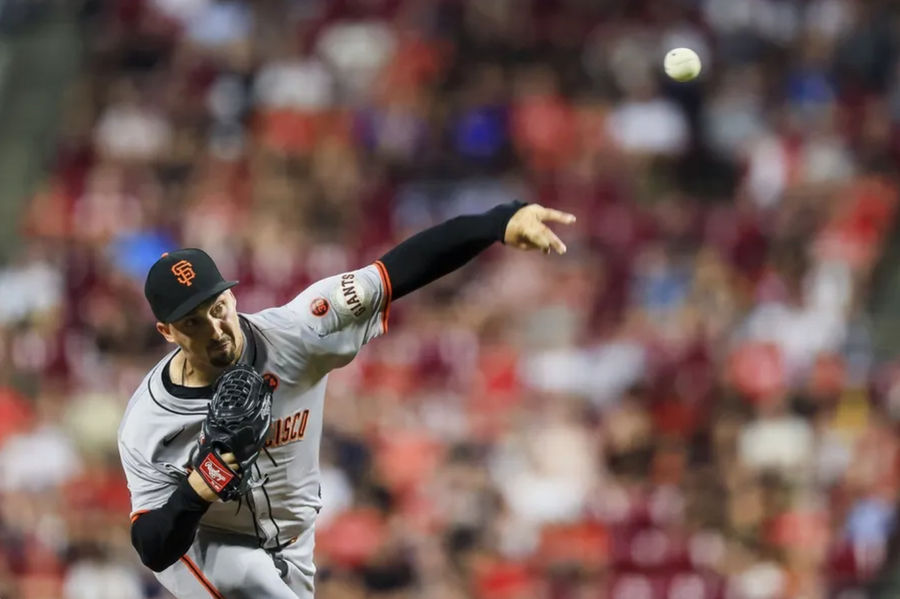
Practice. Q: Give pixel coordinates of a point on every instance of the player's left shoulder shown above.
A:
(354, 294)
(349, 300)
(345, 299)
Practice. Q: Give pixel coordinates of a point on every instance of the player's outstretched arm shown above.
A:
(434, 252)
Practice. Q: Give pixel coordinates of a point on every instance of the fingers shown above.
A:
(527, 230)
(554, 243)
(231, 461)
(546, 240)
(556, 216)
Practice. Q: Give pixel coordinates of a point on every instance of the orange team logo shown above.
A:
(271, 380)
(319, 306)
(184, 272)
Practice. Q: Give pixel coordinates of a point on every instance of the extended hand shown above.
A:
(526, 229)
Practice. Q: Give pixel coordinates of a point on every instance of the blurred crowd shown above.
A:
(686, 405)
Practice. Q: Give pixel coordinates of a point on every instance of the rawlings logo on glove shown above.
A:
(215, 474)
(238, 422)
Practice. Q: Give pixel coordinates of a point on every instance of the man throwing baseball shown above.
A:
(220, 442)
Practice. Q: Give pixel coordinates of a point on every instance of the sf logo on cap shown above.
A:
(184, 272)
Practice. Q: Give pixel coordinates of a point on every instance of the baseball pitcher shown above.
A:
(220, 442)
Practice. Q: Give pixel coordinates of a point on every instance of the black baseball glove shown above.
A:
(238, 421)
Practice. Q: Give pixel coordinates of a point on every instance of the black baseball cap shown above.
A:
(182, 280)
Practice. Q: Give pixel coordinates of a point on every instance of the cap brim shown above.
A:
(188, 305)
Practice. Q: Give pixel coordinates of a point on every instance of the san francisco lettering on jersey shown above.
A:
(288, 429)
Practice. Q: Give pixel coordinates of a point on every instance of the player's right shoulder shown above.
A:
(144, 409)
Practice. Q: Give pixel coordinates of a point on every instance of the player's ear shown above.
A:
(166, 331)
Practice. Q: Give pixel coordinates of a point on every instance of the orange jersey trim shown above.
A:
(137, 515)
(199, 576)
(386, 281)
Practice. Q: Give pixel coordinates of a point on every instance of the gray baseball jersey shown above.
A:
(299, 344)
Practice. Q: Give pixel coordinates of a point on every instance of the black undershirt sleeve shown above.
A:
(434, 252)
(163, 535)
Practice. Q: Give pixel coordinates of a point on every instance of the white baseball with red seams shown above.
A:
(298, 347)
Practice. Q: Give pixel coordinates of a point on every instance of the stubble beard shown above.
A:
(226, 358)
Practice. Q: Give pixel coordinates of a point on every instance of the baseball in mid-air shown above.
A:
(682, 64)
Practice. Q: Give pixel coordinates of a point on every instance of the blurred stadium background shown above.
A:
(699, 401)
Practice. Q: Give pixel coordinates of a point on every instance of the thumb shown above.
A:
(231, 461)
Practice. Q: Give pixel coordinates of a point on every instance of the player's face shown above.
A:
(211, 334)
